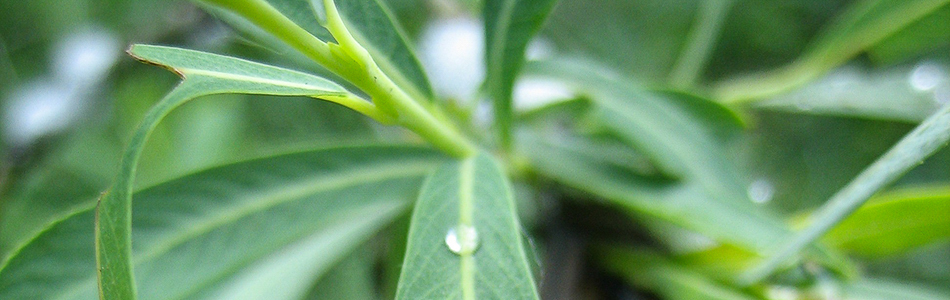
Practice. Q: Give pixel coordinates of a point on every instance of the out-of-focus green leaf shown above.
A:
(651, 271)
(926, 34)
(683, 204)
(864, 25)
(700, 43)
(270, 225)
(351, 278)
(910, 151)
(64, 181)
(375, 27)
(720, 121)
(666, 133)
(669, 136)
(592, 165)
(465, 237)
(927, 265)
(624, 34)
(509, 26)
(895, 223)
(880, 289)
(204, 74)
(857, 92)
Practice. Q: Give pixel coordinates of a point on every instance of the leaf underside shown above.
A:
(275, 224)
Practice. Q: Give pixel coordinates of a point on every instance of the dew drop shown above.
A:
(462, 239)
(926, 76)
(761, 191)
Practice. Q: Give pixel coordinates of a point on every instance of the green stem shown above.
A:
(352, 62)
(414, 116)
(270, 19)
(700, 44)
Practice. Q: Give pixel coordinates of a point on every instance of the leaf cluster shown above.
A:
(648, 171)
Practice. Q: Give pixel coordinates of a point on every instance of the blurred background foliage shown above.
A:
(799, 147)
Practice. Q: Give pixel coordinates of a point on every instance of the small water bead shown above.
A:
(926, 76)
(761, 191)
(462, 239)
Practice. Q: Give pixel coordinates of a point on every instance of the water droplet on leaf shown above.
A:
(761, 191)
(926, 76)
(462, 239)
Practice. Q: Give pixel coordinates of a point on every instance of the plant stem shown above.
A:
(351, 62)
(414, 116)
(700, 44)
(910, 151)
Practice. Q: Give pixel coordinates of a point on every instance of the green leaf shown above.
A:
(881, 289)
(376, 29)
(859, 92)
(204, 74)
(864, 25)
(895, 223)
(352, 278)
(650, 270)
(910, 151)
(701, 42)
(660, 128)
(509, 26)
(927, 34)
(683, 204)
(269, 225)
(304, 14)
(590, 164)
(465, 237)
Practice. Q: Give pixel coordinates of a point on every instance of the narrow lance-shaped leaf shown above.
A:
(722, 212)
(864, 25)
(701, 42)
(204, 74)
(683, 204)
(270, 225)
(656, 126)
(926, 34)
(859, 92)
(465, 238)
(881, 289)
(910, 151)
(509, 26)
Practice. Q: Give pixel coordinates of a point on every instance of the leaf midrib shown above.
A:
(323, 90)
(466, 189)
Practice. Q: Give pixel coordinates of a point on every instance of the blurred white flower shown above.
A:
(531, 93)
(452, 51)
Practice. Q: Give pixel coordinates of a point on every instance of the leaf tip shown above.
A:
(132, 51)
